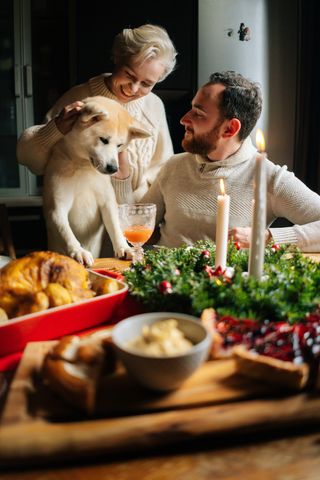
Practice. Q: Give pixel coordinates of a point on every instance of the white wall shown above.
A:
(267, 58)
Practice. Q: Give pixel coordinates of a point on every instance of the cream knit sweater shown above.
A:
(146, 156)
(186, 190)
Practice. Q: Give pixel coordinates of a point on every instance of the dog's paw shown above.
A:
(82, 256)
(124, 252)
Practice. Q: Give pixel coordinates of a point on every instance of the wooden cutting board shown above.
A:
(37, 426)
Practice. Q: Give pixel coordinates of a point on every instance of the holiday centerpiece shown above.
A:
(274, 320)
(185, 279)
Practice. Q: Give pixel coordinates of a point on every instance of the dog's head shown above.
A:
(104, 128)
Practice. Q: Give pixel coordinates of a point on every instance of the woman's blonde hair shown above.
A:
(144, 43)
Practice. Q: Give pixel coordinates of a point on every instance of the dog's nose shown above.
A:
(110, 169)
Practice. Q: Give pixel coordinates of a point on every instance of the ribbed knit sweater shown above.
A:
(146, 156)
(187, 187)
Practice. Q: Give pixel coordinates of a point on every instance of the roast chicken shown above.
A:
(42, 280)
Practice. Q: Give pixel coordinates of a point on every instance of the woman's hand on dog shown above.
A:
(68, 116)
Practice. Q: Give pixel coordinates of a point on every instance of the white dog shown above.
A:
(78, 197)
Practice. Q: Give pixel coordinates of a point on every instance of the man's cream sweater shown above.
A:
(187, 187)
(146, 156)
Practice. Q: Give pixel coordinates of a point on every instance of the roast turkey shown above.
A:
(42, 280)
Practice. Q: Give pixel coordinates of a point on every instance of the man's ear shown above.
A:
(138, 130)
(232, 128)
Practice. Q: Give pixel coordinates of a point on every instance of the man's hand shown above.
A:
(68, 116)
(243, 236)
(124, 168)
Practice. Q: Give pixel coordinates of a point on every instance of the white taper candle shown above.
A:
(222, 226)
(257, 244)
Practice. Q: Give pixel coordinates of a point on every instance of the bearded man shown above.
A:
(217, 146)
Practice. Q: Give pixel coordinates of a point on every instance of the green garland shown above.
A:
(185, 280)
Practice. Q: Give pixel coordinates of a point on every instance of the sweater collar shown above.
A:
(245, 152)
(99, 87)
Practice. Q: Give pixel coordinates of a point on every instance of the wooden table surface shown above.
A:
(289, 455)
(295, 457)
(313, 256)
(111, 264)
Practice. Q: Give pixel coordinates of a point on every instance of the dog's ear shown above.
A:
(138, 130)
(90, 115)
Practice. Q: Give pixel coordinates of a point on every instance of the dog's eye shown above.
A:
(105, 141)
(120, 145)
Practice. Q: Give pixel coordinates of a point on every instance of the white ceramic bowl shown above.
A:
(161, 373)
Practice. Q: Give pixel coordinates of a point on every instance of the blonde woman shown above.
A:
(142, 57)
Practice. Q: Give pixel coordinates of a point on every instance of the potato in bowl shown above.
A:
(167, 371)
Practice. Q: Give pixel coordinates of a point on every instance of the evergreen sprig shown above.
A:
(184, 279)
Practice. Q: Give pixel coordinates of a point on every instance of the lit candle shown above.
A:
(257, 244)
(222, 227)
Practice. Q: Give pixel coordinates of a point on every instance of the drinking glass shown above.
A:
(137, 222)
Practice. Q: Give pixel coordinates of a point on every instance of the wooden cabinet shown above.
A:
(34, 72)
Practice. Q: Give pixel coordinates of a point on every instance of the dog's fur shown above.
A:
(78, 197)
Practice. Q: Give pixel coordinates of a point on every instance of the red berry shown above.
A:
(165, 287)
(205, 254)
(275, 247)
(237, 245)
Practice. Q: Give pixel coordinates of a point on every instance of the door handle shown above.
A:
(17, 82)
(28, 80)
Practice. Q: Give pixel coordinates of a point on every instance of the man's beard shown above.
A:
(202, 144)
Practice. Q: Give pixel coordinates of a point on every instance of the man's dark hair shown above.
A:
(241, 99)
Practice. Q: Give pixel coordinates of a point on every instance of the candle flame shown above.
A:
(222, 189)
(260, 141)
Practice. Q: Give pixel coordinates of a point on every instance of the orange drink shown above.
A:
(137, 233)
(137, 222)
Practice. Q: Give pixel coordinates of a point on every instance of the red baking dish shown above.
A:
(58, 321)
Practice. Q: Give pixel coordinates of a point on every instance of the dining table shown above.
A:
(291, 452)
